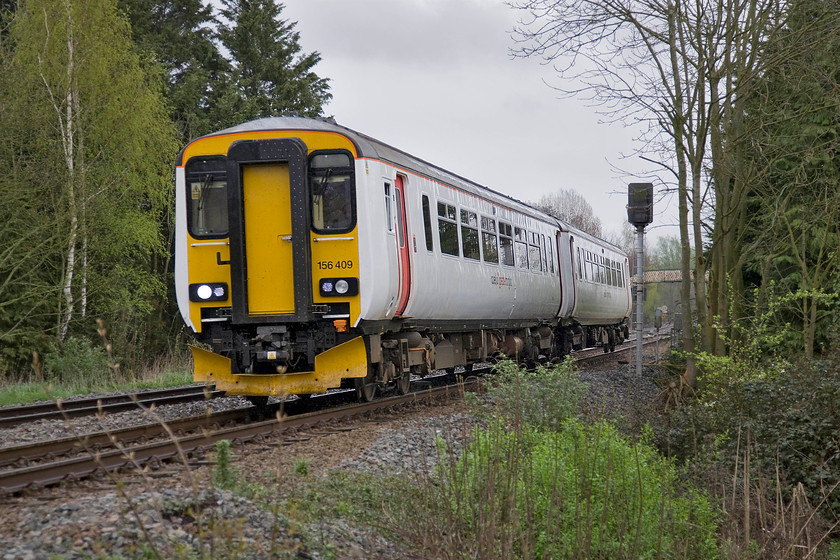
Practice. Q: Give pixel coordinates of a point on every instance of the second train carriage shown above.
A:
(310, 256)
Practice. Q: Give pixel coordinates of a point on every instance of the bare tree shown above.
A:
(683, 68)
(571, 207)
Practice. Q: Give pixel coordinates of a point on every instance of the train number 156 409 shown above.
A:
(335, 265)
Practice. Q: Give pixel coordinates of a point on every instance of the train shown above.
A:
(310, 257)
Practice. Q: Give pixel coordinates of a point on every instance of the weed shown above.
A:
(301, 467)
(225, 474)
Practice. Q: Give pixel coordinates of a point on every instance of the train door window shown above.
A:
(388, 218)
(400, 225)
(506, 244)
(332, 192)
(579, 265)
(447, 229)
(469, 234)
(534, 252)
(544, 253)
(489, 242)
(207, 197)
(520, 244)
(551, 254)
(427, 223)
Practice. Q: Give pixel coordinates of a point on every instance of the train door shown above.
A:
(269, 229)
(402, 247)
(267, 211)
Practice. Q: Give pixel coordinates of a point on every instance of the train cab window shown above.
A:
(427, 223)
(388, 219)
(448, 229)
(506, 244)
(489, 242)
(469, 234)
(207, 197)
(520, 244)
(534, 252)
(332, 192)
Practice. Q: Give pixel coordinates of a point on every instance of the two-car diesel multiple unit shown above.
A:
(310, 257)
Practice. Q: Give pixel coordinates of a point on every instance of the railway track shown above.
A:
(74, 458)
(100, 453)
(14, 415)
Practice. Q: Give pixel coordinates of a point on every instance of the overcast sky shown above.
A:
(435, 78)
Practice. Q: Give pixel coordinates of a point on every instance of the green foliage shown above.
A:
(269, 75)
(758, 352)
(81, 111)
(225, 474)
(542, 398)
(583, 491)
(301, 467)
(790, 422)
(78, 363)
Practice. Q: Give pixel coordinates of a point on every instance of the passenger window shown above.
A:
(520, 237)
(469, 234)
(427, 223)
(506, 244)
(534, 253)
(489, 242)
(332, 196)
(447, 229)
(207, 196)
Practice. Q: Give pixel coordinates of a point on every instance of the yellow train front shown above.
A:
(267, 259)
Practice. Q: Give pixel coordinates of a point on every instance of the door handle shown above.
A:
(285, 237)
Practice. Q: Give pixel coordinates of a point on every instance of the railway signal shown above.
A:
(640, 214)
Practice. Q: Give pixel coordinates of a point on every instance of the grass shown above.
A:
(22, 393)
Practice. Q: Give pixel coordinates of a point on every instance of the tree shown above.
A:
(687, 69)
(269, 74)
(794, 237)
(178, 35)
(665, 255)
(84, 115)
(571, 207)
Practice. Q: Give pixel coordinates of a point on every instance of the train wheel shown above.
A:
(366, 386)
(404, 383)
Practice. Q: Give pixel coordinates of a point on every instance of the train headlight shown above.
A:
(217, 291)
(339, 286)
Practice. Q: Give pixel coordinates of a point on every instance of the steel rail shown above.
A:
(26, 453)
(13, 416)
(139, 455)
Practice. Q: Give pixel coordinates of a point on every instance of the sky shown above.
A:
(435, 78)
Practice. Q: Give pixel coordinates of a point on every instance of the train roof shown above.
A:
(372, 148)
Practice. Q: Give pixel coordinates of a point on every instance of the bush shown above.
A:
(542, 398)
(583, 491)
(790, 422)
(79, 363)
